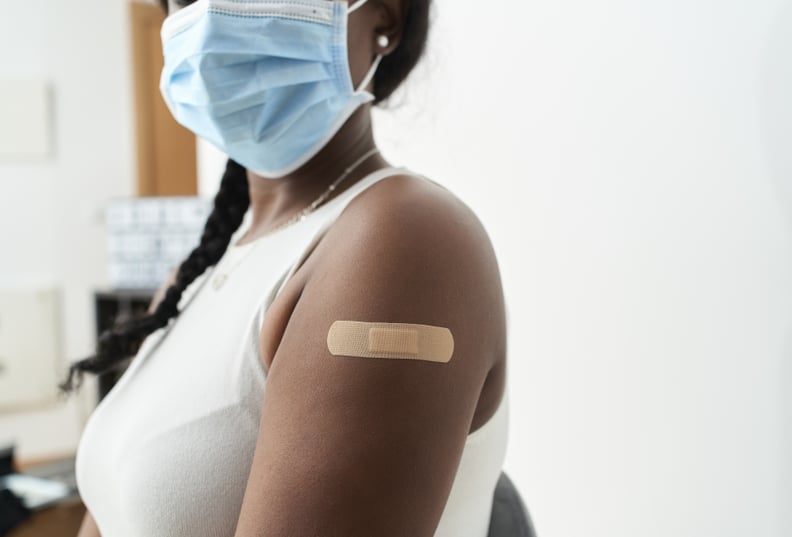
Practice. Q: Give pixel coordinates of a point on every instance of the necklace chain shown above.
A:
(221, 277)
(318, 201)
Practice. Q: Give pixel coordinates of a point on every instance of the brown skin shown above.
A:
(356, 447)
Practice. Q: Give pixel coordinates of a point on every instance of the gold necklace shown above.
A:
(221, 276)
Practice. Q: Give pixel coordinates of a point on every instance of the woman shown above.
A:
(246, 411)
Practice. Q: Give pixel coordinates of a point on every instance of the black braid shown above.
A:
(122, 341)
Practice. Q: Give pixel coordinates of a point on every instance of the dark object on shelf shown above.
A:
(12, 511)
(509, 517)
(6, 460)
(112, 305)
(52, 513)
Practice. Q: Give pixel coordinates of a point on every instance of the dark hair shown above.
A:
(123, 340)
(395, 67)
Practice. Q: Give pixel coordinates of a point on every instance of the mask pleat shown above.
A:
(241, 80)
(279, 37)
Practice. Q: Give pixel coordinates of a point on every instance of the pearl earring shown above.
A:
(383, 41)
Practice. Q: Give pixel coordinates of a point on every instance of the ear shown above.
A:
(391, 18)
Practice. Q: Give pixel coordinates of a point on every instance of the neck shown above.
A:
(273, 201)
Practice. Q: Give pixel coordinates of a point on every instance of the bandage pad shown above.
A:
(399, 341)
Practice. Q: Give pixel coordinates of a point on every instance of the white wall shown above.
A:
(50, 226)
(632, 162)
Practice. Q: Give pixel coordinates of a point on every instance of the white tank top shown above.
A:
(168, 451)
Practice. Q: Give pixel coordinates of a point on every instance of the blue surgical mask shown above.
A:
(266, 81)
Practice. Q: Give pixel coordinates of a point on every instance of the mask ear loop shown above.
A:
(373, 69)
(370, 75)
(356, 5)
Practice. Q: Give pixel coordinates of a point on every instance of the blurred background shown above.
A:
(631, 161)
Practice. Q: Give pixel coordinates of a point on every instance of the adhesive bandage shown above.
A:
(398, 341)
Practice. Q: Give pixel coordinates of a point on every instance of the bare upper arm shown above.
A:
(356, 447)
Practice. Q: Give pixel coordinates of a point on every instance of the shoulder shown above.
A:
(421, 251)
(408, 203)
(407, 213)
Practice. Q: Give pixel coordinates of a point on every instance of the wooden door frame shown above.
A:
(166, 151)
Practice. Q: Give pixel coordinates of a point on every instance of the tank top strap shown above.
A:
(339, 204)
